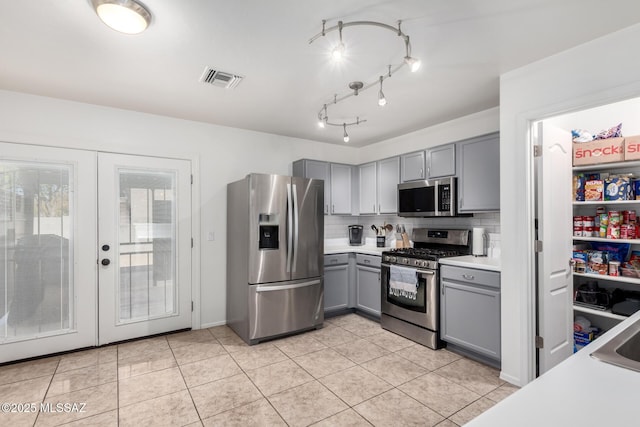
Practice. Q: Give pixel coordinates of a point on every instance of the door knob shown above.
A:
(105, 247)
(105, 262)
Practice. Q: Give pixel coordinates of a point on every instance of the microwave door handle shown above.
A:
(289, 228)
(296, 217)
(437, 201)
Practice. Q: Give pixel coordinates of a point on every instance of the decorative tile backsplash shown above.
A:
(335, 226)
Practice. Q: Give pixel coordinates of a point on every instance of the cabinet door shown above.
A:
(340, 189)
(441, 161)
(336, 287)
(320, 170)
(470, 317)
(367, 185)
(412, 166)
(388, 178)
(479, 175)
(368, 289)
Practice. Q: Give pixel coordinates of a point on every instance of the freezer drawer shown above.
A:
(285, 307)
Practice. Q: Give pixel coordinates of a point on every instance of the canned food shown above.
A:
(625, 231)
(601, 210)
(604, 219)
(603, 230)
(590, 231)
(578, 221)
(613, 231)
(588, 221)
(613, 268)
(580, 266)
(578, 231)
(632, 217)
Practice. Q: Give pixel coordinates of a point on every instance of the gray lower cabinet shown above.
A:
(479, 174)
(336, 282)
(368, 284)
(470, 310)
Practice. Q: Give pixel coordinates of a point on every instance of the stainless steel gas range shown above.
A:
(410, 283)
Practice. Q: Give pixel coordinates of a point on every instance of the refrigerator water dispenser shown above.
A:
(269, 230)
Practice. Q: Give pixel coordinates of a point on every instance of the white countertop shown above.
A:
(470, 261)
(580, 391)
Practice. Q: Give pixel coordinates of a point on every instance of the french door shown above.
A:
(144, 248)
(94, 248)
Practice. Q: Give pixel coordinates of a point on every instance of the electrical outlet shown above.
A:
(211, 236)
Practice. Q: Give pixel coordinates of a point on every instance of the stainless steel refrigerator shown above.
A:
(275, 248)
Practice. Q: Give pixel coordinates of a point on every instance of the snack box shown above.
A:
(599, 151)
(632, 147)
(597, 262)
(617, 188)
(580, 256)
(593, 190)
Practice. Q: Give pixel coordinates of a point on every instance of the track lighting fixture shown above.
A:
(126, 16)
(357, 86)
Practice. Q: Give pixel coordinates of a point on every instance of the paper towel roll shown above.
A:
(478, 244)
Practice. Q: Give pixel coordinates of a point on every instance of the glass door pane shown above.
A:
(146, 244)
(36, 258)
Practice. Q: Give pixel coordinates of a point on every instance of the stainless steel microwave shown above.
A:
(428, 198)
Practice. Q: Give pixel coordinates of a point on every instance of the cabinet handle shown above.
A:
(442, 290)
(468, 276)
(379, 208)
(366, 261)
(429, 171)
(374, 208)
(421, 173)
(333, 261)
(333, 208)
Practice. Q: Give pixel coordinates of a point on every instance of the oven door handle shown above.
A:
(430, 272)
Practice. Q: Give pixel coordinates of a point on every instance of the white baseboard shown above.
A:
(212, 324)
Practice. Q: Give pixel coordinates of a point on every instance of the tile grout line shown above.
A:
(46, 391)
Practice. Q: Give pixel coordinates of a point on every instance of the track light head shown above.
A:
(382, 101)
(346, 135)
(413, 63)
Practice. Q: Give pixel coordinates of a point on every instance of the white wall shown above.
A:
(222, 155)
(596, 73)
(477, 124)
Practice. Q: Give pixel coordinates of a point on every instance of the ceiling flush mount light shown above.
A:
(356, 87)
(125, 16)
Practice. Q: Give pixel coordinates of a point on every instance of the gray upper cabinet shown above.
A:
(412, 166)
(388, 179)
(316, 170)
(340, 189)
(479, 174)
(367, 185)
(441, 161)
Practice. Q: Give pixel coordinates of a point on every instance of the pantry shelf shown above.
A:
(604, 239)
(601, 313)
(607, 166)
(620, 279)
(607, 202)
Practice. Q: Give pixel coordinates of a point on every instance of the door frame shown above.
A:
(527, 302)
(194, 159)
(196, 321)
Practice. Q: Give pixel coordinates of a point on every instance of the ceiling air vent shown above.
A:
(220, 78)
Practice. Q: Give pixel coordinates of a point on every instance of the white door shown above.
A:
(144, 239)
(47, 250)
(554, 212)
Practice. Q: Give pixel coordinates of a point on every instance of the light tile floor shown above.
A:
(351, 372)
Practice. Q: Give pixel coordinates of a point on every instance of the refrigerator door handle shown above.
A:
(289, 228)
(266, 288)
(295, 228)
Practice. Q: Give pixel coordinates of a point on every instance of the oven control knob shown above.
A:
(425, 263)
(392, 259)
